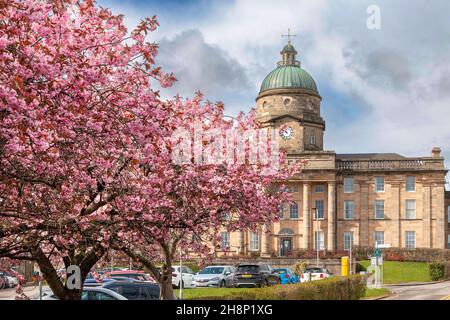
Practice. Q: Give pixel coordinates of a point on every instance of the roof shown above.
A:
(369, 156)
(289, 48)
(288, 76)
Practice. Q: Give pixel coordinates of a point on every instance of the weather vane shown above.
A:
(289, 35)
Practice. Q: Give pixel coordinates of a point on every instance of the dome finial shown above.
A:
(288, 53)
(289, 35)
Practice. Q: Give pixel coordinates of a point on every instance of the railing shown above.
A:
(416, 164)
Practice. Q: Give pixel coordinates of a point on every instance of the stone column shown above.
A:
(438, 213)
(241, 242)
(331, 242)
(426, 239)
(306, 218)
(364, 235)
(396, 215)
(265, 241)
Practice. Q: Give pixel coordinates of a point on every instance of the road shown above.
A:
(435, 291)
(10, 294)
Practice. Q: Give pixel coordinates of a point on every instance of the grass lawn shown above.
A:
(372, 293)
(398, 272)
(199, 293)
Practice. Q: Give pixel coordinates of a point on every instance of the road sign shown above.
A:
(384, 246)
(373, 261)
(377, 252)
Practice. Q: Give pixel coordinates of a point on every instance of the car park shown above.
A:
(311, 274)
(287, 275)
(186, 273)
(255, 275)
(214, 276)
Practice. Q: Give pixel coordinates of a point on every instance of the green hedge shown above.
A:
(437, 271)
(334, 288)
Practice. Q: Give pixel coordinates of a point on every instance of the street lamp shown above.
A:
(317, 236)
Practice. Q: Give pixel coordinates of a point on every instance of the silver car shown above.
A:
(215, 276)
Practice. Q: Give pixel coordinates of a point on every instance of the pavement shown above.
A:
(10, 294)
(432, 291)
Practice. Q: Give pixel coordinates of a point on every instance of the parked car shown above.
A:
(4, 283)
(256, 275)
(311, 274)
(17, 275)
(11, 279)
(132, 274)
(89, 293)
(287, 275)
(135, 290)
(188, 277)
(215, 276)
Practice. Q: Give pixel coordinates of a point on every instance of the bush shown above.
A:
(437, 271)
(335, 288)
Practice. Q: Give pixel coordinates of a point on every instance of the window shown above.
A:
(254, 241)
(226, 216)
(379, 209)
(379, 237)
(410, 206)
(348, 240)
(349, 184)
(349, 209)
(448, 241)
(225, 240)
(312, 138)
(319, 209)
(410, 239)
(319, 188)
(293, 211)
(294, 189)
(319, 239)
(379, 184)
(410, 184)
(448, 214)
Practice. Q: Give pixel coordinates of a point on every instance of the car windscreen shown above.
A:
(314, 270)
(212, 270)
(281, 271)
(137, 276)
(248, 268)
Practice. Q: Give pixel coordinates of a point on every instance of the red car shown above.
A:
(133, 274)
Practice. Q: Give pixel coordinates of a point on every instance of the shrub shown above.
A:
(437, 271)
(335, 288)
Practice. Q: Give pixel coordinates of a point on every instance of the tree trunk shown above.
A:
(165, 281)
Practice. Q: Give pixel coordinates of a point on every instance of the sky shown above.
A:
(383, 90)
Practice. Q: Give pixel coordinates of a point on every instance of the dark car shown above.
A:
(4, 283)
(256, 275)
(135, 290)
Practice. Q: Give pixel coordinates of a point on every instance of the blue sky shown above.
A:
(384, 90)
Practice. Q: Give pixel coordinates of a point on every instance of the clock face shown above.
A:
(287, 133)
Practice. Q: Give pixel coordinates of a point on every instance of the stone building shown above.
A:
(342, 199)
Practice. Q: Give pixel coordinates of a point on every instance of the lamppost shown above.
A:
(317, 235)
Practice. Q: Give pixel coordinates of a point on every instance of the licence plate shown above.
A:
(246, 276)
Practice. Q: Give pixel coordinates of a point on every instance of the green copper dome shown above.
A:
(288, 76)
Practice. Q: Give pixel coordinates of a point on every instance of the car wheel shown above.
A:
(223, 284)
(182, 284)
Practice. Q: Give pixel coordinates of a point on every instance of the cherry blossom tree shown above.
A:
(90, 156)
(78, 117)
(211, 183)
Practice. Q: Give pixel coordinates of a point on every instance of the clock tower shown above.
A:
(290, 102)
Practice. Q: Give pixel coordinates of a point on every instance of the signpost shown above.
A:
(377, 263)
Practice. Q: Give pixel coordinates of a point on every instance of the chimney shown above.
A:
(436, 152)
